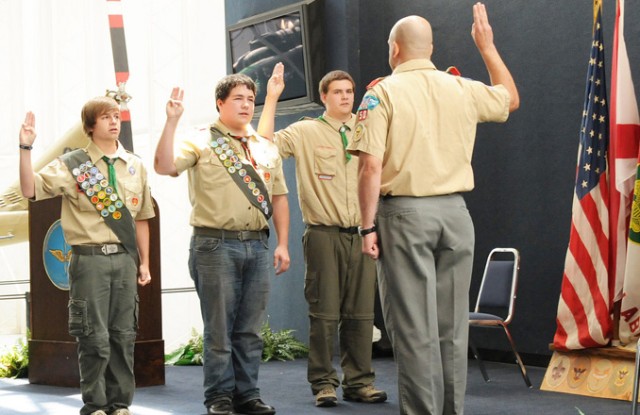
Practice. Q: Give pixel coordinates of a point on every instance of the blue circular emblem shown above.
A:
(56, 256)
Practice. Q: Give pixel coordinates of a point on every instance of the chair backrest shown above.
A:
(499, 282)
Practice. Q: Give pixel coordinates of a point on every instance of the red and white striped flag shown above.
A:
(583, 318)
(624, 159)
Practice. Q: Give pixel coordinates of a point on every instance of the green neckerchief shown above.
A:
(343, 134)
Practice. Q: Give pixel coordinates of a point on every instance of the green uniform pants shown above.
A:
(340, 285)
(103, 308)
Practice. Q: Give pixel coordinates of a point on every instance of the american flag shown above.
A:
(583, 318)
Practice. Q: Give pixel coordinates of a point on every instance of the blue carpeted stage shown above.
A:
(284, 385)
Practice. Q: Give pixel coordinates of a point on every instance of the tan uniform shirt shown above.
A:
(422, 124)
(216, 199)
(327, 182)
(81, 222)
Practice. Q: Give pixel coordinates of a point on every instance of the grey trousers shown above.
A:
(340, 287)
(424, 273)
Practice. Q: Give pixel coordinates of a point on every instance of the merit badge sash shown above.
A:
(104, 198)
(244, 175)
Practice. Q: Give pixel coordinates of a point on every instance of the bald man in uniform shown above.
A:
(340, 282)
(415, 140)
(235, 184)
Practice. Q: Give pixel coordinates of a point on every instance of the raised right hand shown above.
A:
(174, 105)
(28, 129)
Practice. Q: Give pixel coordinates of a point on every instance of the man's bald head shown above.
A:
(410, 38)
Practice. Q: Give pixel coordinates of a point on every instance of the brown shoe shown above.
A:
(368, 394)
(327, 397)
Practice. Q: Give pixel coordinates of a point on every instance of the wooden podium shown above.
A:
(53, 358)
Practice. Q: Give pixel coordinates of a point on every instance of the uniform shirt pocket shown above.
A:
(79, 199)
(133, 196)
(325, 159)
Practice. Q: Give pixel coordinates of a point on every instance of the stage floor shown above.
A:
(283, 385)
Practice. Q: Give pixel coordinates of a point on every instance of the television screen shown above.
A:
(256, 48)
(291, 35)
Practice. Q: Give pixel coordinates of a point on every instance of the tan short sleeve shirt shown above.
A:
(81, 222)
(421, 123)
(216, 199)
(327, 180)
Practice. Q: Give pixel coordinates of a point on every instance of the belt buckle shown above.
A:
(109, 249)
(243, 235)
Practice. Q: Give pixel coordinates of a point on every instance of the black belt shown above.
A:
(105, 249)
(224, 234)
(352, 230)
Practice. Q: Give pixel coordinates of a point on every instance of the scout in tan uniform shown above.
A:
(415, 139)
(235, 184)
(104, 190)
(340, 280)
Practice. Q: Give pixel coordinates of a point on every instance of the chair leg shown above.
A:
(634, 399)
(480, 362)
(523, 370)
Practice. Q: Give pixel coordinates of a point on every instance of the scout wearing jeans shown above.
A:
(106, 205)
(235, 184)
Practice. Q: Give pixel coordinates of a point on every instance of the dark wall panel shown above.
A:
(524, 168)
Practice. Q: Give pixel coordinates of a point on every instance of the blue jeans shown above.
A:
(232, 281)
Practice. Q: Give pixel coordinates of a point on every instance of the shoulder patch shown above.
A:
(452, 70)
(375, 82)
(368, 103)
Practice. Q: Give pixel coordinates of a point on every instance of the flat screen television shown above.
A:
(292, 35)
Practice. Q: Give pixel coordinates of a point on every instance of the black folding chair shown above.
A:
(496, 300)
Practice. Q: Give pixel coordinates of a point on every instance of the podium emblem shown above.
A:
(56, 256)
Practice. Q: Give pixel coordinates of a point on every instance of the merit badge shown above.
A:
(117, 215)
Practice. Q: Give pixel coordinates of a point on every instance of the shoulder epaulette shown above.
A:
(375, 82)
(452, 70)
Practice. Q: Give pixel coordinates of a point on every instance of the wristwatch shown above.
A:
(363, 232)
